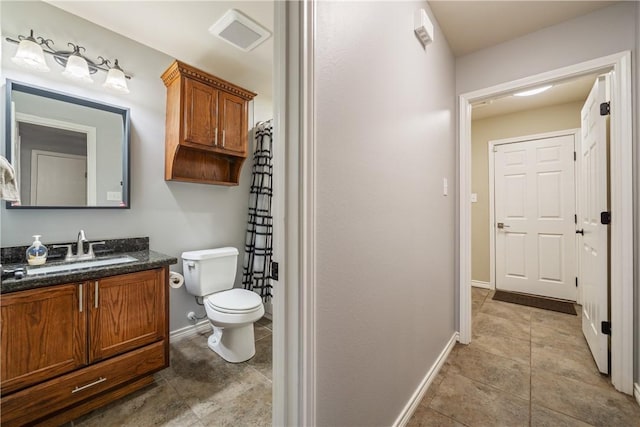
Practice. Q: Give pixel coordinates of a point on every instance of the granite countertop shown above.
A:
(145, 260)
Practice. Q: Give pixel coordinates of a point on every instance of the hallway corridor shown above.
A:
(524, 367)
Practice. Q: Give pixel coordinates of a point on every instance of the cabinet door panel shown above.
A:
(234, 123)
(43, 335)
(127, 312)
(200, 113)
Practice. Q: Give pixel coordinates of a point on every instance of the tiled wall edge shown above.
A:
(417, 396)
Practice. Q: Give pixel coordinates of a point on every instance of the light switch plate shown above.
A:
(114, 195)
(474, 197)
(445, 187)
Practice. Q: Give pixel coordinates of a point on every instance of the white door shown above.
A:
(594, 276)
(535, 223)
(58, 179)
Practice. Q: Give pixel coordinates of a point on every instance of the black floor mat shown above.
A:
(535, 301)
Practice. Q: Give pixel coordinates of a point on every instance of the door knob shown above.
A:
(580, 232)
(502, 225)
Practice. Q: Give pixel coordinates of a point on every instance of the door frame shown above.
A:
(622, 233)
(294, 334)
(492, 219)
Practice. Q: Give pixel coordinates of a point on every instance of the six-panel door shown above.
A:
(126, 312)
(42, 334)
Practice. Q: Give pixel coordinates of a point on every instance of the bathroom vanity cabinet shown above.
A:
(70, 348)
(206, 137)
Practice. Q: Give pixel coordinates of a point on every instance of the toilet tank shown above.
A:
(210, 270)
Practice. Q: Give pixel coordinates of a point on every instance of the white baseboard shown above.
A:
(191, 330)
(636, 392)
(417, 396)
(480, 284)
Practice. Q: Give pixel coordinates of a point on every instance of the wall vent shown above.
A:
(239, 30)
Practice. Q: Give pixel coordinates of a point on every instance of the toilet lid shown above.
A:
(234, 301)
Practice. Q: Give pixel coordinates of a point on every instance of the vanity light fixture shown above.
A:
(76, 65)
(535, 91)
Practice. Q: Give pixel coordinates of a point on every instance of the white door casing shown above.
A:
(534, 210)
(594, 250)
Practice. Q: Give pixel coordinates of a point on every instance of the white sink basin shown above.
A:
(80, 265)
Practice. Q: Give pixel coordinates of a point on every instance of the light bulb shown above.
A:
(116, 80)
(30, 55)
(77, 69)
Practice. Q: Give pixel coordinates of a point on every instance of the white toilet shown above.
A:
(210, 273)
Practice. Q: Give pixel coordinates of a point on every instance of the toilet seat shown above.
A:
(234, 301)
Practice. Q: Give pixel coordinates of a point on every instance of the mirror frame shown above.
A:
(12, 85)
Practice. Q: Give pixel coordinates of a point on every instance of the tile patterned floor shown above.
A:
(524, 367)
(199, 389)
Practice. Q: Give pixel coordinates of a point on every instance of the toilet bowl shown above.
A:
(232, 314)
(210, 274)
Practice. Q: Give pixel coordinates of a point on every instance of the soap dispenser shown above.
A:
(37, 252)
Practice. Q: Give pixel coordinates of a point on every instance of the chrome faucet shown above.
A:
(80, 253)
(80, 248)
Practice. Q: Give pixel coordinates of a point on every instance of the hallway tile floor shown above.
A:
(524, 367)
(198, 389)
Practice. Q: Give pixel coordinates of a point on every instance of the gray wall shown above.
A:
(557, 46)
(176, 216)
(385, 232)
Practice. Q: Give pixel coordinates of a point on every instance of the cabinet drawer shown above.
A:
(45, 398)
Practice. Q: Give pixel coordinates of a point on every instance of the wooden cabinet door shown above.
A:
(43, 334)
(126, 312)
(200, 113)
(234, 124)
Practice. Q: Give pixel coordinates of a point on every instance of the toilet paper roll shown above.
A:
(175, 279)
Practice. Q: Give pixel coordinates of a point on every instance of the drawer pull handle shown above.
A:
(96, 382)
(96, 293)
(215, 140)
(224, 133)
(80, 296)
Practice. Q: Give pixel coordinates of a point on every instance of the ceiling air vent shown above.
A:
(239, 30)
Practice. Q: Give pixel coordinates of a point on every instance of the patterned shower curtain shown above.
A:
(258, 245)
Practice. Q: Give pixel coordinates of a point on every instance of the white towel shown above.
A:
(8, 185)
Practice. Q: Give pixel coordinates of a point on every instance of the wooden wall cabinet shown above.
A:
(68, 349)
(206, 138)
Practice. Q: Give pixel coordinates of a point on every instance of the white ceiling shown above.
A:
(561, 93)
(473, 25)
(181, 30)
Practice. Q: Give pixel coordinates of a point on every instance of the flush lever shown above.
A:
(502, 225)
(191, 265)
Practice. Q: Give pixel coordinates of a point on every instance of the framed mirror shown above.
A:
(67, 152)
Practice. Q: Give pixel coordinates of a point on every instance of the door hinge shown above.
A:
(575, 218)
(274, 270)
(606, 328)
(576, 282)
(605, 108)
(575, 156)
(605, 218)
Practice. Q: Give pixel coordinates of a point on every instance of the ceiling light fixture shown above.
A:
(76, 65)
(535, 91)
